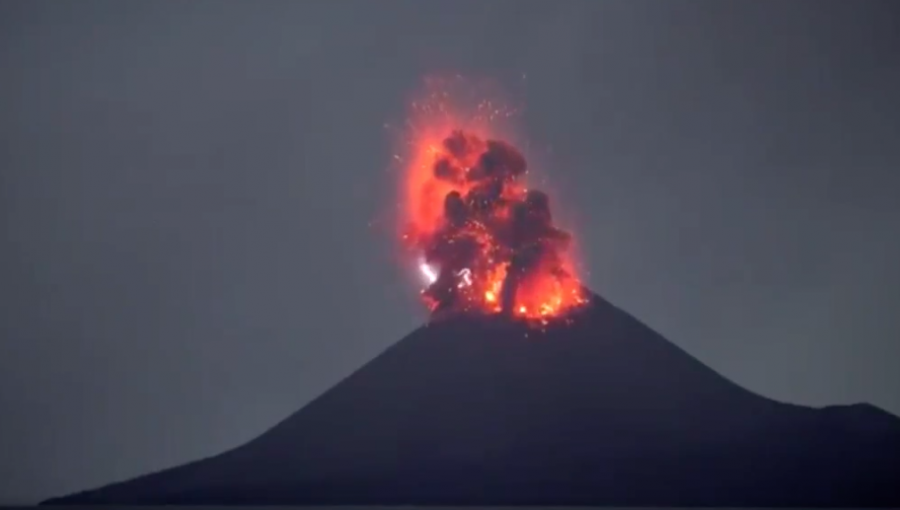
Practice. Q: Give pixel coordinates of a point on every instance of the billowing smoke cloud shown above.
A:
(495, 247)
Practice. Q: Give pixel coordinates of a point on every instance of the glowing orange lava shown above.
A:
(483, 240)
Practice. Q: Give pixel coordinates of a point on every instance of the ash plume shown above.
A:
(496, 232)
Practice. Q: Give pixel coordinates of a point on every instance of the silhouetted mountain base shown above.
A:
(599, 410)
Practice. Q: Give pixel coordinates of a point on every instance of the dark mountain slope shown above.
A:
(600, 411)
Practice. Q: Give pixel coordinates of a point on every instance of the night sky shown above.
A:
(193, 198)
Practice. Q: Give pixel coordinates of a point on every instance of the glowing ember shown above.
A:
(487, 242)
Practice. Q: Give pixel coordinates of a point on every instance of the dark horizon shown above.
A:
(194, 198)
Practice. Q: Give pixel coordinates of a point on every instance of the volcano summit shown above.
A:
(598, 409)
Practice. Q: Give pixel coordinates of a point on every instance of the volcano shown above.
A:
(597, 409)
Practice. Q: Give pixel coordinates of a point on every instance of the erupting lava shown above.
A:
(486, 243)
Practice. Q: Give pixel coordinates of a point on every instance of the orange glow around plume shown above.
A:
(484, 242)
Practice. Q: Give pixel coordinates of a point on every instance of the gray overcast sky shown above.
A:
(187, 188)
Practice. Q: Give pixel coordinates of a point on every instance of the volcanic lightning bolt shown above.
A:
(486, 243)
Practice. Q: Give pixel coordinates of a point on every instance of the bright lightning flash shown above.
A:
(428, 273)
